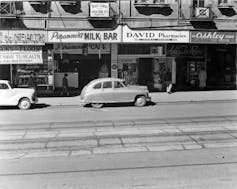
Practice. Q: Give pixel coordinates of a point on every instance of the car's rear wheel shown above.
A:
(97, 105)
(140, 101)
(24, 104)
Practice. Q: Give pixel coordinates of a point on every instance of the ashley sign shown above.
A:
(85, 36)
(212, 37)
(161, 36)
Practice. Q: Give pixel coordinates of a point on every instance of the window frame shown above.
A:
(107, 87)
(7, 86)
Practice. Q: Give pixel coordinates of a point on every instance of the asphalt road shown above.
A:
(175, 145)
(192, 169)
(42, 114)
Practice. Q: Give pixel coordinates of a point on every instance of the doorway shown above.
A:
(145, 72)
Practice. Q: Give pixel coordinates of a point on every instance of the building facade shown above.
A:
(138, 40)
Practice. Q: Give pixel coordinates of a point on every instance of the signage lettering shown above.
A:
(21, 55)
(212, 37)
(185, 50)
(9, 37)
(162, 36)
(85, 36)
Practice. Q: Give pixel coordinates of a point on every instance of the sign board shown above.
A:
(22, 37)
(21, 55)
(85, 36)
(99, 9)
(154, 36)
(78, 48)
(212, 37)
(185, 50)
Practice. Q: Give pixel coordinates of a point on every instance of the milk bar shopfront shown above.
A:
(83, 55)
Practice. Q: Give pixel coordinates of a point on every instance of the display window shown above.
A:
(43, 75)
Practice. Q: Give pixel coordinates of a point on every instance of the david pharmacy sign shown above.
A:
(161, 36)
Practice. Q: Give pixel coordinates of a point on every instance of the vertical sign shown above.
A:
(114, 60)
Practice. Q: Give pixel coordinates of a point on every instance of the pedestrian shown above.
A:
(168, 81)
(31, 81)
(202, 76)
(65, 85)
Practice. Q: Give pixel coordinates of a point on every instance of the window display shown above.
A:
(43, 75)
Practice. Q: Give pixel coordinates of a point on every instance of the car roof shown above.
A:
(4, 81)
(105, 79)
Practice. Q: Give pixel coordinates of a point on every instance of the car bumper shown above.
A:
(148, 99)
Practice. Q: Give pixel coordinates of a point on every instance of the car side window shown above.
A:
(118, 84)
(107, 84)
(3, 86)
(97, 86)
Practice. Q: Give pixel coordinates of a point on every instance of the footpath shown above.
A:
(158, 97)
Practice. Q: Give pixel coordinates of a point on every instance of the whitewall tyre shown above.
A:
(24, 104)
(97, 105)
(140, 101)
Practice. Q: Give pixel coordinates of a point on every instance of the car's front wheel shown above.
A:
(97, 105)
(24, 104)
(140, 101)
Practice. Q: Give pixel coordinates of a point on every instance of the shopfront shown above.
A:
(84, 55)
(220, 58)
(23, 52)
(81, 62)
(143, 58)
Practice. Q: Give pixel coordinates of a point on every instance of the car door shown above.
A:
(107, 92)
(5, 94)
(121, 92)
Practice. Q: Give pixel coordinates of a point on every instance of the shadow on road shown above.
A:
(122, 104)
(35, 106)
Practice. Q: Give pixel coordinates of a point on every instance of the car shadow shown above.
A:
(39, 106)
(122, 105)
(34, 106)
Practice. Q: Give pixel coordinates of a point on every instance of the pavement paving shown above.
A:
(78, 140)
(158, 97)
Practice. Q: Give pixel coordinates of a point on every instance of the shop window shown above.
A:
(72, 7)
(41, 6)
(149, 7)
(198, 3)
(226, 7)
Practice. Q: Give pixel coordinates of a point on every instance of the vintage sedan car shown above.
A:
(113, 90)
(21, 97)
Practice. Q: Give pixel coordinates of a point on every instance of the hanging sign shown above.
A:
(113, 36)
(99, 9)
(154, 36)
(78, 48)
(22, 37)
(21, 55)
(212, 37)
(185, 50)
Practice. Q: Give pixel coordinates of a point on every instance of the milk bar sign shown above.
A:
(22, 37)
(85, 36)
(149, 36)
(212, 37)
